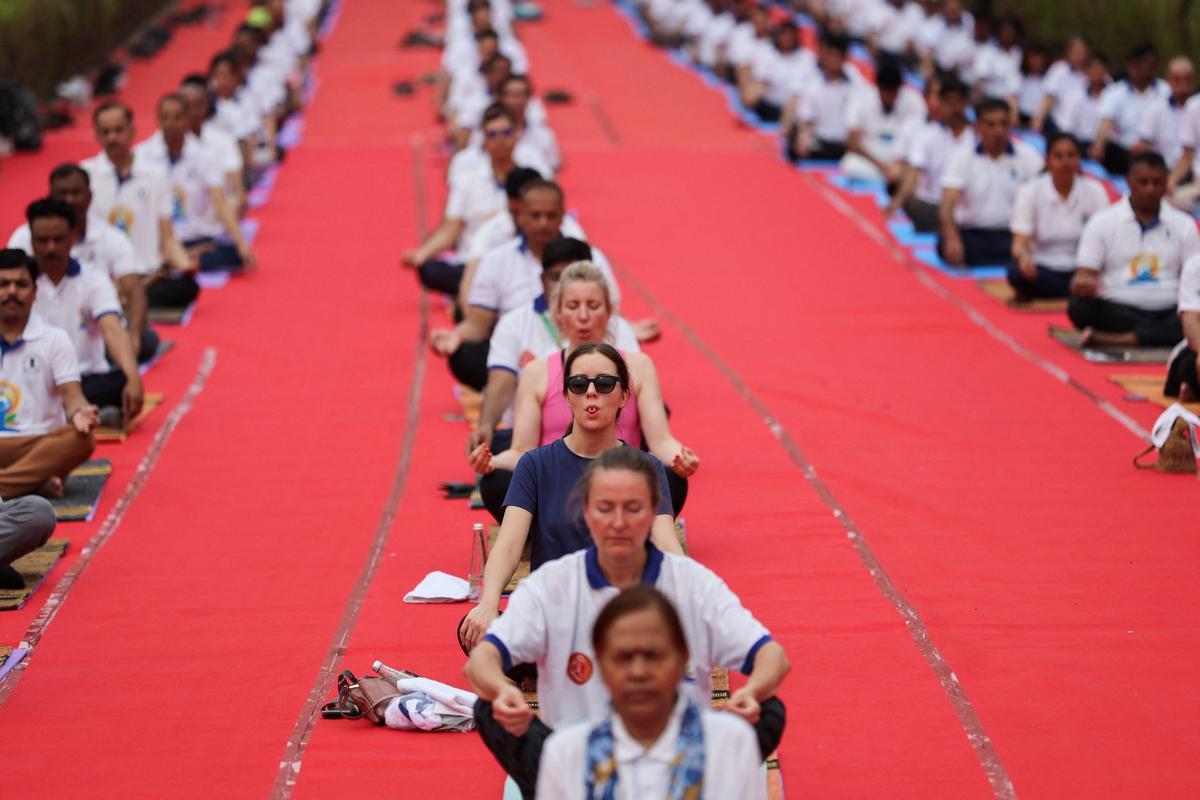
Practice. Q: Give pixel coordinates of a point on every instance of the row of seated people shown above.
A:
(119, 234)
(577, 462)
(990, 197)
(760, 51)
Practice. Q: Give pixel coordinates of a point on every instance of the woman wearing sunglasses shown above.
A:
(582, 309)
(539, 506)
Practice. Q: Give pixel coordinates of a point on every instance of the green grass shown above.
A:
(1113, 26)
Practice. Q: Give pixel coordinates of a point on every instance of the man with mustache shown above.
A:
(46, 423)
(83, 303)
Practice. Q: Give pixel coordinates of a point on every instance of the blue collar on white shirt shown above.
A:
(595, 575)
(1009, 149)
(540, 305)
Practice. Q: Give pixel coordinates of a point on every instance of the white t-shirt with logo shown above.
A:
(193, 175)
(104, 249)
(510, 277)
(1053, 222)
(75, 306)
(989, 185)
(31, 370)
(550, 616)
(1127, 107)
(135, 205)
(1139, 266)
(932, 145)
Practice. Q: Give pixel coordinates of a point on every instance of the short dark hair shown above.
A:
(1140, 51)
(953, 85)
(632, 600)
(49, 207)
(515, 78)
(70, 169)
(888, 77)
(109, 105)
(498, 57)
(1063, 136)
(836, 41)
(565, 250)
(486, 33)
(194, 79)
(990, 104)
(496, 111)
(170, 97)
(1149, 158)
(226, 57)
(534, 186)
(516, 179)
(11, 258)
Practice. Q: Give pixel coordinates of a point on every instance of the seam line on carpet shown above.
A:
(975, 315)
(293, 754)
(981, 744)
(56, 599)
(602, 117)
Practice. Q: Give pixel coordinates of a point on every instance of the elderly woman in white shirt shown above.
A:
(1048, 218)
(655, 742)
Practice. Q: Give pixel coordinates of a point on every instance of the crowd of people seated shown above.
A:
(977, 136)
(577, 462)
(1009, 156)
(120, 234)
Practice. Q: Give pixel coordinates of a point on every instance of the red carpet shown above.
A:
(1057, 583)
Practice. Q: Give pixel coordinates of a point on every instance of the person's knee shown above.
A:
(772, 720)
(33, 517)
(1080, 311)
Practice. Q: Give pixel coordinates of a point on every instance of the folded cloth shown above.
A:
(438, 587)
(428, 705)
(1162, 426)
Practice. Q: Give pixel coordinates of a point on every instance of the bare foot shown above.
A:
(1086, 335)
(647, 330)
(52, 489)
(1186, 395)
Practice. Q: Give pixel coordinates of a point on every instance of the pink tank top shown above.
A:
(556, 414)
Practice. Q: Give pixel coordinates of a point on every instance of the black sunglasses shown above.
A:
(578, 384)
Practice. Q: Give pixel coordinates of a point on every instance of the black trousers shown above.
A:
(148, 348)
(172, 292)
(1048, 283)
(104, 388)
(767, 111)
(521, 755)
(1182, 371)
(1156, 328)
(983, 246)
(924, 215)
(1116, 159)
(468, 364)
(441, 276)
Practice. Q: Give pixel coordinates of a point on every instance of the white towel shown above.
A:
(438, 587)
(1162, 426)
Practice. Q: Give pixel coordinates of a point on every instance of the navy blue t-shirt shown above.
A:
(542, 484)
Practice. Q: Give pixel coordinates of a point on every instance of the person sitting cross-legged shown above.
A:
(1048, 217)
(46, 423)
(84, 304)
(25, 525)
(657, 741)
(979, 188)
(1183, 373)
(552, 612)
(1126, 287)
(103, 248)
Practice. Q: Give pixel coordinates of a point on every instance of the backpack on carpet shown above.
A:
(1175, 439)
(361, 697)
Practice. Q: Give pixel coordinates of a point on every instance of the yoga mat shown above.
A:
(164, 347)
(81, 494)
(171, 316)
(1150, 388)
(928, 256)
(1111, 355)
(906, 234)
(1003, 291)
(150, 401)
(34, 567)
(216, 279)
(522, 567)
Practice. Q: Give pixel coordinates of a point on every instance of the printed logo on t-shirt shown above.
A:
(579, 668)
(1144, 268)
(30, 364)
(121, 217)
(10, 401)
(525, 358)
(178, 204)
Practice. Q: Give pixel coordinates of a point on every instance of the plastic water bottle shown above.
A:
(475, 573)
(392, 673)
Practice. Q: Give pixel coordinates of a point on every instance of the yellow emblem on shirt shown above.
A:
(1144, 268)
(10, 401)
(122, 218)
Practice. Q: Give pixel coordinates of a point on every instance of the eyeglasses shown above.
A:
(578, 384)
(499, 133)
